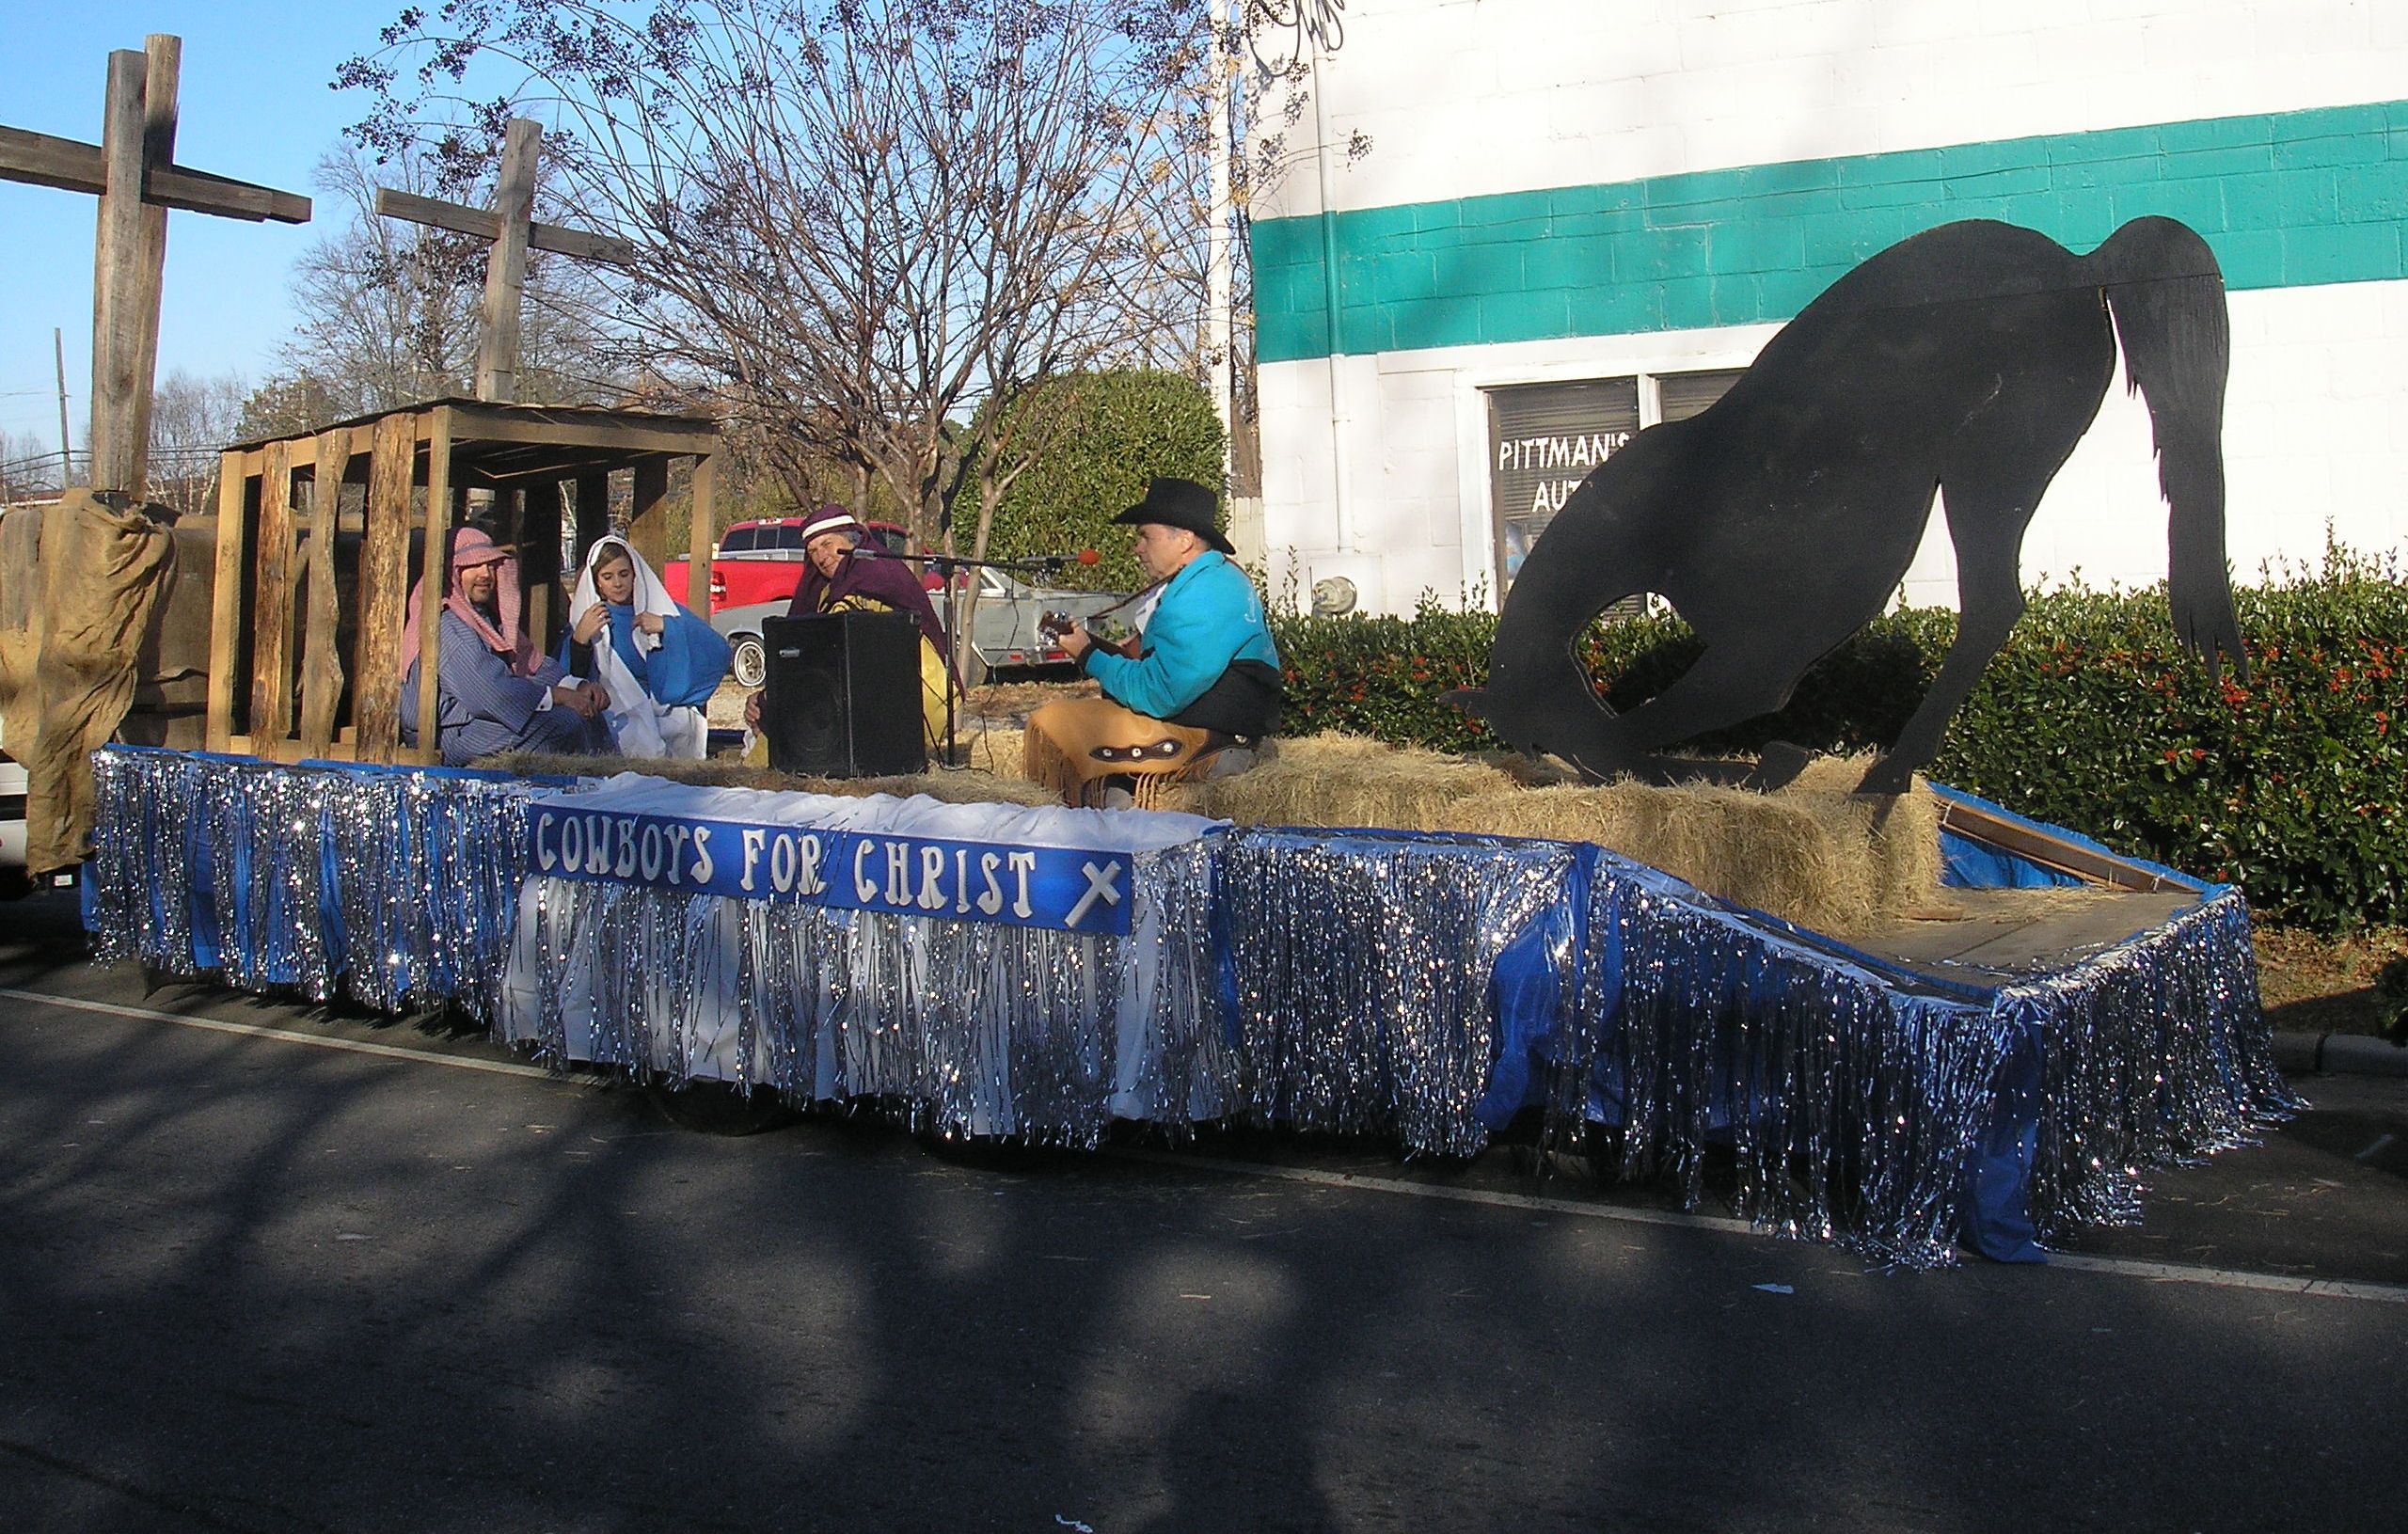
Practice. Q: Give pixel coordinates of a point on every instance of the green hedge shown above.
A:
(1123, 428)
(2094, 718)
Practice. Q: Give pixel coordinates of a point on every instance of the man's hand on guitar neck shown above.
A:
(1078, 641)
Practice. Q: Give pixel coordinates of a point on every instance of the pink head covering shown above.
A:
(470, 547)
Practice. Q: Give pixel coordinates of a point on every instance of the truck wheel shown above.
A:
(752, 666)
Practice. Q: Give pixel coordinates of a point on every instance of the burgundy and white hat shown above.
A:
(831, 519)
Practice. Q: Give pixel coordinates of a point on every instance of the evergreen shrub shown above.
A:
(2288, 783)
(1123, 428)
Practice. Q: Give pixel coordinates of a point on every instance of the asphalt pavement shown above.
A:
(267, 1268)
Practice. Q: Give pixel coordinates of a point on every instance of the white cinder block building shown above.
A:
(1577, 218)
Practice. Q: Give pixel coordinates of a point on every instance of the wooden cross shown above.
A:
(133, 173)
(511, 228)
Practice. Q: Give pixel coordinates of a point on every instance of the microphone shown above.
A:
(1088, 556)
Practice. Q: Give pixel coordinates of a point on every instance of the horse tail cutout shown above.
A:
(2166, 293)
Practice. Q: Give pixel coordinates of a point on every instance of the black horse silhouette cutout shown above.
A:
(1971, 358)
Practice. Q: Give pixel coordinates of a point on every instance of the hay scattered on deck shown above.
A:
(967, 786)
(1812, 852)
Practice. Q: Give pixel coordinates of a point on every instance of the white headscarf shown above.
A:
(642, 724)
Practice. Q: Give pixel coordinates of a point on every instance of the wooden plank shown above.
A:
(162, 56)
(125, 290)
(384, 594)
(582, 244)
(226, 598)
(495, 426)
(436, 562)
(538, 561)
(272, 600)
(592, 514)
(40, 160)
(506, 263)
(2047, 850)
(648, 519)
(321, 659)
(198, 191)
(485, 225)
(699, 547)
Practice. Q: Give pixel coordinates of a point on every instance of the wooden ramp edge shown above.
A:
(2054, 852)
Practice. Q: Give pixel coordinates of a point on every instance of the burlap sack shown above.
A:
(68, 672)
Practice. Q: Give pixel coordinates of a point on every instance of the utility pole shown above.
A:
(59, 360)
(1218, 277)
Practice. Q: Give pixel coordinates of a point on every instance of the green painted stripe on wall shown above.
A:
(2287, 199)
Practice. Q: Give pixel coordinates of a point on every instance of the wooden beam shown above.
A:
(126, 264)
(648, 519)
(698, 560)
(384, 589)
(539, 559)
(484, 224)
(530, 427)
(40, 160)
(2049, 851)
(506, 263)
(162, 56)
(593, 514)
(226, 599)
(435, 561)
(321, 658)
(272, 602)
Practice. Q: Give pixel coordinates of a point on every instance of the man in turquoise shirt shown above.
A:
(1204, 658)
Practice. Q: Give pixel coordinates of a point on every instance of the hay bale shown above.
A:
(997, 749)
(968, 786)
(1813, 853)
(1337, 780)
(1899, 836)
(1757, 849)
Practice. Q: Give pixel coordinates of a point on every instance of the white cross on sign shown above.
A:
(1100, 887)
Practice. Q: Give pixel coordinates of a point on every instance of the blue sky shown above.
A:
(255, 107)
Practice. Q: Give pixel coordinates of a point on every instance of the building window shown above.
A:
(1545, 439)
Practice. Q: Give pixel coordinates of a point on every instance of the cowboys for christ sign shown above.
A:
(1072, 889)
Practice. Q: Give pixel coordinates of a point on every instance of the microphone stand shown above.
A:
(947, 565)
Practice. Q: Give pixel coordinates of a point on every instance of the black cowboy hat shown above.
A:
(1180, 503)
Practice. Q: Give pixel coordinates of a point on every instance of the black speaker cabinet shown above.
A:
(844, 695)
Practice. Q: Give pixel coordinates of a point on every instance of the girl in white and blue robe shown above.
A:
(659, 663)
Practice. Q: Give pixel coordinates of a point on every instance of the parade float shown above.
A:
(1870, 1022)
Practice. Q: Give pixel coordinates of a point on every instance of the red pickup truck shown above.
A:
(762, 561)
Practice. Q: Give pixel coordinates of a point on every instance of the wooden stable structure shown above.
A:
(313, 586)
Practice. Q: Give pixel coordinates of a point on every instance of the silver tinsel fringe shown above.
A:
(1362, 967)
(1350, 982)
(1852, 1106)
(2154, 1053)
(394, 886)
(964, 1028)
